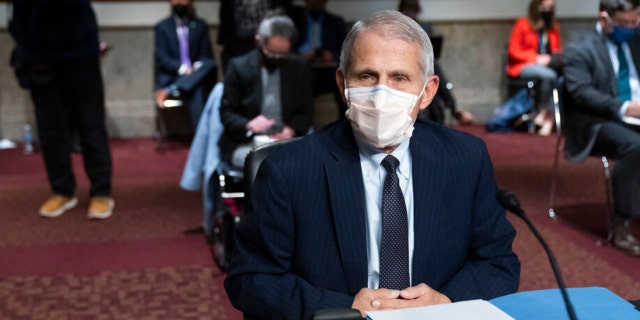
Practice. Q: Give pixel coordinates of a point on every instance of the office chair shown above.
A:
(560, 99)
(235, 191)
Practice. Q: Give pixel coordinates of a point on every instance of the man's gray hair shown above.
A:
(276, 25)
(390, 25)
(614, 6)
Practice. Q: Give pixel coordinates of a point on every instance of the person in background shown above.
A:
(267, 91)
(534, 39)
(239, 20)
(59, 44)
(185, 67)
(361, 213)
(320, 36)
(603, 117)
(412, 9)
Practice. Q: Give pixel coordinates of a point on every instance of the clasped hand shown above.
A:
(385, 299)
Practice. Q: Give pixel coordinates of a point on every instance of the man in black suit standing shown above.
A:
(184, 62)
(320, 36)
(601, 77)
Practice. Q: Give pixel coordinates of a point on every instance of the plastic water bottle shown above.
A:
(28, 139)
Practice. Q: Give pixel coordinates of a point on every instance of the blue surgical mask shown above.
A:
(621, 34)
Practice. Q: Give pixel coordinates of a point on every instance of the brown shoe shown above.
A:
(100, 207)
(624, 240)
(57, 205)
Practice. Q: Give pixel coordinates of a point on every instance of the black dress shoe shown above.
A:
(624, 240)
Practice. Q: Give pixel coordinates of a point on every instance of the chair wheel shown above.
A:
(221, 241)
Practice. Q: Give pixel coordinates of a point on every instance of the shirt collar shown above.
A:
(375, 156)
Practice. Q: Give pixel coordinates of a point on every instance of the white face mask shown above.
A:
(380, 116)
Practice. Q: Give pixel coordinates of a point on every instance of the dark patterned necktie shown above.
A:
(394, 245)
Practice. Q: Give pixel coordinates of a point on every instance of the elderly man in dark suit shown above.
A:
(267, 92)
(184, 62)
(601, 77)
(378, 211)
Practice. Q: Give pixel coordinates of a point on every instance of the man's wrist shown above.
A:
(183, 69)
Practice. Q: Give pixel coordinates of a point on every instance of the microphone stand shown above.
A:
(509, 202)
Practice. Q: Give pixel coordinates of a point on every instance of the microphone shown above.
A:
(509, 202)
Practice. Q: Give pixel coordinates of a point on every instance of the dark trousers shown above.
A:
(69, 95)
(443, 99)
(622, 143)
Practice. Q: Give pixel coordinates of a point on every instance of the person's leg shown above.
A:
(240, 153)
(623, 145)
(53, 127)
(547, 81)
(88, 109)
(443, 92)
(444, 99)
(196, 105)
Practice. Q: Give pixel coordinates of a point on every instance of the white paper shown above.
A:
(464, 310)
(631, 120)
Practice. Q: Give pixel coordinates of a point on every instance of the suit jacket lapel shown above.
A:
(173, 38)
(344, 175)
(253, 77)
(600, 44)
(426, 194)
(192, 27)
(634, 45)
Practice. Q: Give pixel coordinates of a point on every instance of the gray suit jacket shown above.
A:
(592, 92)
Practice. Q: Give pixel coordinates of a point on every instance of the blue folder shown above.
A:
(593, 303)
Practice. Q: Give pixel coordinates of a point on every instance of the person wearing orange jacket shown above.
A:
(533, 42)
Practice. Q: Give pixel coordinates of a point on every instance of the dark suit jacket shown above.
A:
(167, 55)
(591, 85)
(334, 30)
(242, 98)
(302, 244)
(54, 31)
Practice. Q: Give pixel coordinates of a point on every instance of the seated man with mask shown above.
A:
(601, 78)
(267, 92)
(184, 64)
(376, 211)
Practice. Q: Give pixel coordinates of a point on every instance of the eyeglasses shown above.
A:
(627, 23)
(275, 54)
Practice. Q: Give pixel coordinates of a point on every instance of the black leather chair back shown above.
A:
(254, 159)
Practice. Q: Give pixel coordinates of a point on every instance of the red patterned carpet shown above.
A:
(143, 263)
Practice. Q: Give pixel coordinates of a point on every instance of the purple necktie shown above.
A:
(394, 245)
(183, 37)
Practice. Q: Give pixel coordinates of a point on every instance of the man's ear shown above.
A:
(430, 90)
(340, 77)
